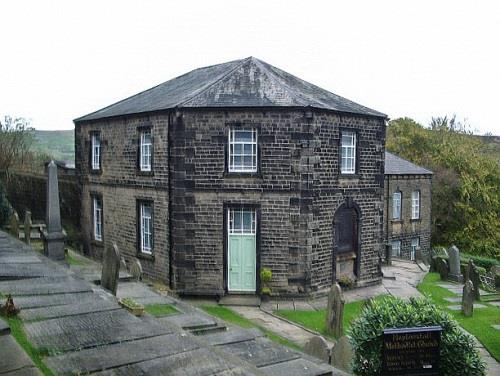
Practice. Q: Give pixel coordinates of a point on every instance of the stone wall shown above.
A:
(407, 228)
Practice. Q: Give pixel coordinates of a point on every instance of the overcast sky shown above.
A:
(63, 59)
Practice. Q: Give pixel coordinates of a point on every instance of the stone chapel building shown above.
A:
(228, 169)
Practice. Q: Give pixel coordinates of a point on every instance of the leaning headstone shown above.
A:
(342, 354)
(335, 311)
(136, 270)
(123, 263)
(53, 236)
(318, 348)
(468, 299)
(473, 275)
(442, 268)
(110, 268)
(454, 261)
(27, 227)
(14, 224)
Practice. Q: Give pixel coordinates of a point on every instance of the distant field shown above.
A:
(59, 144)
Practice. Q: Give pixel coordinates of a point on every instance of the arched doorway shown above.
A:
(346, 241)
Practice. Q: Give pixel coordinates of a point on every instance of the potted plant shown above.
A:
(132, 306)
(265, 278)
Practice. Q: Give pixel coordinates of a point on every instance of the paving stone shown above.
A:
(31, 371)
(260, 352)
(43, 286)
(232, 335)
(12, 356)
(299, 367)
(497, 327)
(24, 270)
(191, 320)
(134, 290)
(120, 354)
(459, 307)
(4, 327)
(154, 300)
(90, 330)
(496, 304)
(34, 301)
(78, 308)
(20, 259)
(453, 300)
(200, 362)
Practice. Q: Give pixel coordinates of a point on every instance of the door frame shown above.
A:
(251, 206)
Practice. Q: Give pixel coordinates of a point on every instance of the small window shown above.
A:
(348, 153)
(396, 205)
(96, 151)
(145, 150)
(146, 227)
(242, 221)
(415, 243)
(396, 248)
(97, 216)
(415, 205)
(242, 150)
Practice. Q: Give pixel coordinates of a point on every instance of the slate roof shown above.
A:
(247, 82)
(395, 165)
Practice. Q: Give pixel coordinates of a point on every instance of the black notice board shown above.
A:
(411, 351)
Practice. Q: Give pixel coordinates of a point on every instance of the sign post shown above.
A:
(411, 351)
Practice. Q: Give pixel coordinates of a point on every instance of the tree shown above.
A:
(16, 138)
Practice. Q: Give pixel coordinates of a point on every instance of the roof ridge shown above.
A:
(208, 86)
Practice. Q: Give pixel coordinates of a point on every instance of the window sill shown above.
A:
(396, 221)
(415, 220)
(96, 172)
(349, 176)
(144, 173)
(146, 256)
(97, 243)
(244, 175)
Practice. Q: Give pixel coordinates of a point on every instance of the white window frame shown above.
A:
(146, 227)
(348, 153)
(145, 150)
(396, 246)
(414, 243)
(415, 205)
(96, 151)
(396, 205)
(97, 209)
(232, 167)
(233, 230)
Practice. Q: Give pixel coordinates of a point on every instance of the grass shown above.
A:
(315, 320)
(232, 317)
(479, 325)
(160, 310)
(35, 354)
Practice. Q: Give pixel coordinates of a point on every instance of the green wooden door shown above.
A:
(241, 251)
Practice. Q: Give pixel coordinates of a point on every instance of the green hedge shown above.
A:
(458, 355)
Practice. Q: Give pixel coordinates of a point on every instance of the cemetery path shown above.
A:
(85, 331)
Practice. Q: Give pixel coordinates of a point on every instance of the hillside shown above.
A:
(58, 144)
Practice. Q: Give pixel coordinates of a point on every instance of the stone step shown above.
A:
(240, 300)
(208, 330)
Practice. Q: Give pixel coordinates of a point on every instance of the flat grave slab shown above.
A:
(120, 354)
(496, 304)
(191, 320)
(4, 327)
(29, 270)
(34, 301)
(232, 335)
(14, 258)
(300, 367)
(134, 290)
(453, 300)
(90, 330)
(154, 300)
(43, 286)
(458, 307)
(497, 327)
(78, 308)
(260, 352)
(12, 356)
(200, 362)
(31, 371)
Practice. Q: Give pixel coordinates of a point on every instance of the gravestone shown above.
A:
(454, 261)
(335, 311)
(27, 227)
(318, 348)
(473, 276)
(123, 263)
(411, 351)
(14, 224)
(110, 268)
(342, 354)
(136, 270)
(442, 268)
(468, 299)
(53, 236)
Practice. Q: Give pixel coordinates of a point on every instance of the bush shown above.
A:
(4, 206)
(458, 353)
(483, 262)
(265, 277)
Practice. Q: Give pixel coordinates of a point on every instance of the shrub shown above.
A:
(346, 282)
(458, 354)
(4, 206)
(484, 262)
(265, 277)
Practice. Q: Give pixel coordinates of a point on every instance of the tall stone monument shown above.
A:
(53, 236)
(335, 311)
(454, 259)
